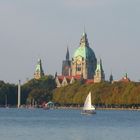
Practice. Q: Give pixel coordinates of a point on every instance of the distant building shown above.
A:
(84, 60)
(66, 65)
(62, 81)
(83, 64)
(38, 70)
(99, 73)
(125, 79)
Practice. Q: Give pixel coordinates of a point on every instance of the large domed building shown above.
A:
(83, 65)
(84, 60)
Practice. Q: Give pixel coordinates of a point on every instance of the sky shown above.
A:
(32, 29)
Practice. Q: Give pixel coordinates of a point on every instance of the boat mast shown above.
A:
(19, 92)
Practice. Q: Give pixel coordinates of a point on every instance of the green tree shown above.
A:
(40, 90)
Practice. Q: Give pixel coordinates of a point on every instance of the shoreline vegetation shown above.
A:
(104, 95)
(76, 108)
(102, 108)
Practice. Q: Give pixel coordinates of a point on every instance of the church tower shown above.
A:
(38, 70)
(66, 65)
(84, 60)
(99, 73)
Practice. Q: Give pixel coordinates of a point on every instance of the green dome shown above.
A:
(84, 50)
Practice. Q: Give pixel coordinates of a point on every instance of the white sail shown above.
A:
(87, 104)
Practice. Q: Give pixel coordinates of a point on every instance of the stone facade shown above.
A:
(62, 81)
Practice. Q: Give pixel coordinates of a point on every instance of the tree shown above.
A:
(8, 93)
(39, 90)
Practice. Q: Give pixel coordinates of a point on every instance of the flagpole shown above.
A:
(19, 95)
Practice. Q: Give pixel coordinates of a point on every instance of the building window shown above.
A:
(79, 67)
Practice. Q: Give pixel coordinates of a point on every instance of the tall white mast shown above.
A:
(19, 92)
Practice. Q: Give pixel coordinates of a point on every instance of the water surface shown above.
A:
(39, 124)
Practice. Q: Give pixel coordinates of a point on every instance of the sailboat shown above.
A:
(88, 107)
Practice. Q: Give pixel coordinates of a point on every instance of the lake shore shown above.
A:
(131, 109)
(80, 108)
(100, 108)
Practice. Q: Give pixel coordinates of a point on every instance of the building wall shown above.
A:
(66, 68)
(83, 67)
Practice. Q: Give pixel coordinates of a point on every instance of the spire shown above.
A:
(99, 73)
(55, 74)
(111, 78)
(38, 70)
(67, 54)
(66, 64)
(99, 66)
(84, 29)
(84, 40)
(125, 75)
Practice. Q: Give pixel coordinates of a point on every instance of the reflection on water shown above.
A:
(39, 124)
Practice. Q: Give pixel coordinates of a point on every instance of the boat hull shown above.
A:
(88, 112)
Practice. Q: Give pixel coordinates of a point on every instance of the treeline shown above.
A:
(8, 94)
(116, 94)
(38, 91)
(44, 90)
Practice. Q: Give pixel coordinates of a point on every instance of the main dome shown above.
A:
(84, 60)
(84, 50)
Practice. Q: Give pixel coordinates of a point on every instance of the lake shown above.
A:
(39, 124)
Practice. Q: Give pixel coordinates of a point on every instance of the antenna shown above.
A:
(84, 29)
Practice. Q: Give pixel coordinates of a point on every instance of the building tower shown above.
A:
(84, 60)
(66, 65)
(99, 73)
(111, 78)
(38, 70)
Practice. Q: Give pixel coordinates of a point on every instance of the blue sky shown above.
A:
(32, 29)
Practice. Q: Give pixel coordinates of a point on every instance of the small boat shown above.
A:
(88, 107)
(49, 105)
